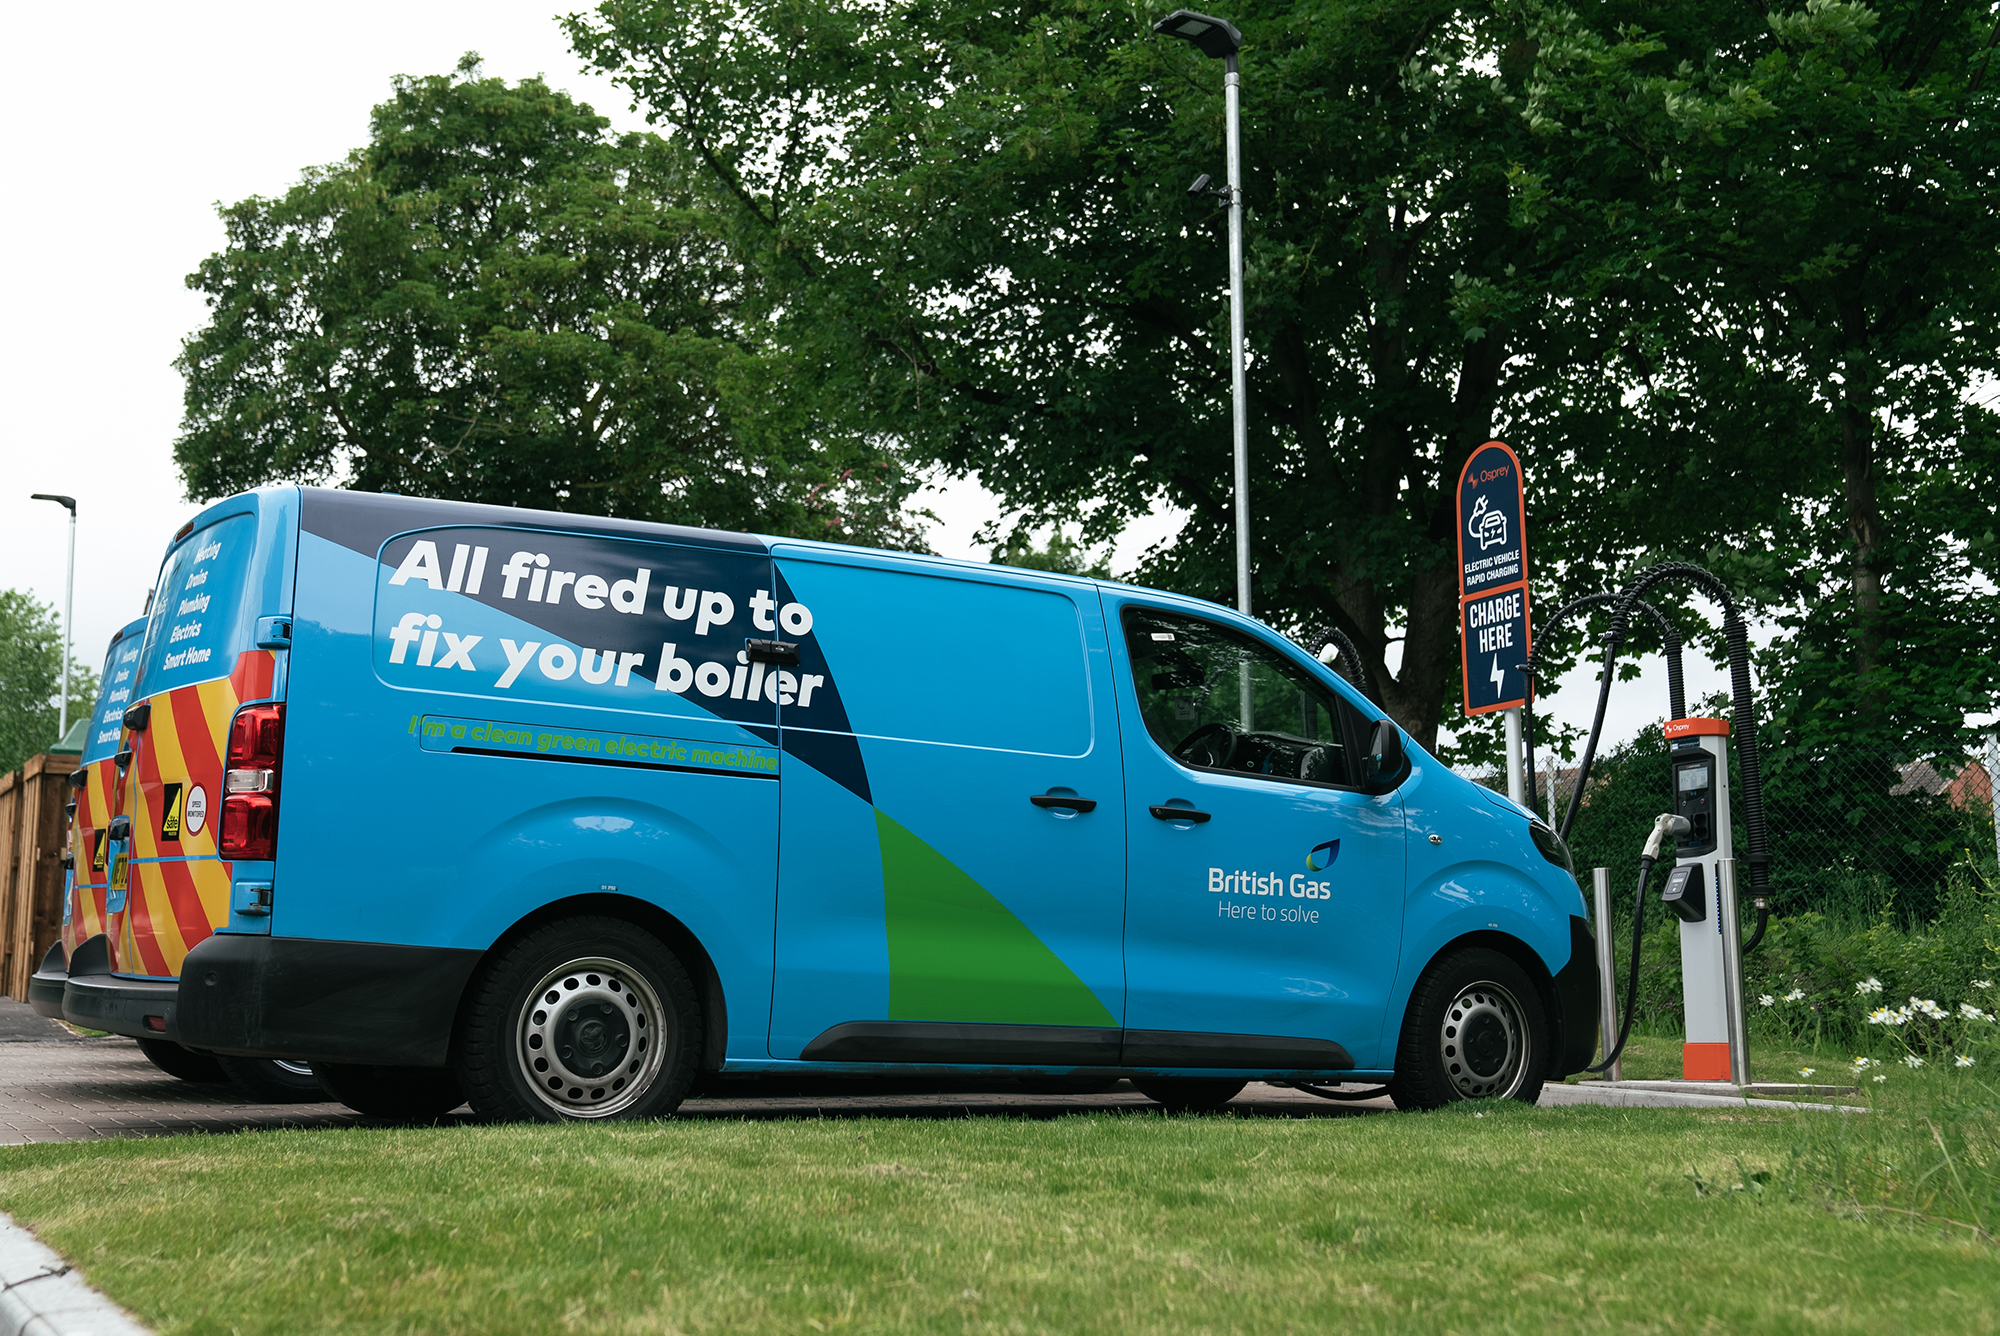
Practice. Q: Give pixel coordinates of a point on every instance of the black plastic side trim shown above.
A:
(944, 1041)
(361, 1002)
(1576, 1002)
(93, 956)
(1070, 1046)
(45, 986)
(1233, 1052)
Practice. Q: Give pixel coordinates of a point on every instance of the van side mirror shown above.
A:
(1383, 766)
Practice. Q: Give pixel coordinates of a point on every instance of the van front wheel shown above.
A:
(1474, 1030)
(587, 1018)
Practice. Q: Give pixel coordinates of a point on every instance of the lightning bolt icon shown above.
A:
(1499, 678)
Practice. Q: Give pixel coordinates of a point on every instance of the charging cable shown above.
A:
(1663, 825)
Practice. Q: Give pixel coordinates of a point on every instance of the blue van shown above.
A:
(557, 814)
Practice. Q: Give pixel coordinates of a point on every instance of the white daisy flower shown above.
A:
(1880, 1079)
(1930, 1008)
(1972, 1013)
(1886, 1016)
(1982, 983)
(1961, 1061)
(1868, 985)
(1794, 995)
(1766, 1000)
(1807, 1071)
(1912, 1061)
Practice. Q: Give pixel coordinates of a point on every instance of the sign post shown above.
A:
(1493, 595)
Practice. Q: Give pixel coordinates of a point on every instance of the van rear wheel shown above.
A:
(273, 1080)
(402, 1094)
(1474, 1030)
(1190, 1094)
(184, 1063)
(587, 1018)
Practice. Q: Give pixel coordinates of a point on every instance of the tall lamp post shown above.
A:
(69, 600)
(1218, 39)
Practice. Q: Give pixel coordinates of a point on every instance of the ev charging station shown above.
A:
(1700, 890)
(1711, 973)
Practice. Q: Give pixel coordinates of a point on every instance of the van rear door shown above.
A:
(201, 661)
(100, 797)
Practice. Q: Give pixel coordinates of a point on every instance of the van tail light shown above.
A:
(250, 783)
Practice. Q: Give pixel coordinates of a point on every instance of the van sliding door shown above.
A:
(951, 867)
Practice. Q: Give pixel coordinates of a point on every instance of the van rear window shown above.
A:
(933, 659)
(114, 695)
(202, 615)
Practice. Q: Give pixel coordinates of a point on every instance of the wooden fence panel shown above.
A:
(34, 825)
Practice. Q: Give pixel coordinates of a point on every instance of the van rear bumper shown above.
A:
(360, 1002)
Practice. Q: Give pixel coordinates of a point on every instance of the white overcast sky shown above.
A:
(128, 124)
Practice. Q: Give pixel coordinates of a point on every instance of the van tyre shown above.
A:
(1474, 1029)
(1192, 1094)
(587, 1018)
(401, 1094)
(273, 1080)
(184, 1063)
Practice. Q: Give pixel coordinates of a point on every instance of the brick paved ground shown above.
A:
(57, 1087)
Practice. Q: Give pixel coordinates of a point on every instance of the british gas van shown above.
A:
(554, 814)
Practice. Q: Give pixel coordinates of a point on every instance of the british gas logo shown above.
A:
(1322, 856)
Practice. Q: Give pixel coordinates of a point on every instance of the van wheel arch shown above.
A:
(1531, 964)
(684, 944)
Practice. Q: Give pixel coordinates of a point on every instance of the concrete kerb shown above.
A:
(42, 1295)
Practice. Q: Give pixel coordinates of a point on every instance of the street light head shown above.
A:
(66, 502)
(1217, 38)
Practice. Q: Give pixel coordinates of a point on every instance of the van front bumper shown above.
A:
(1577, 1001)
(280, 997)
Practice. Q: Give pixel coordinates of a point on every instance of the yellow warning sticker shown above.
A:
(170, 817)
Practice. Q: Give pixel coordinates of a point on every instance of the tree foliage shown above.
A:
(497, 300)
(1795, 210)
(980, 220)
(31, 678)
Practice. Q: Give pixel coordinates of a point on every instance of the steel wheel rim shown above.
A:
(589, 1038)
(1483, 1043)
(293, 1066)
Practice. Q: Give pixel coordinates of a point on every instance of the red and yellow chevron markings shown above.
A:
(182, 896)
(94, 808)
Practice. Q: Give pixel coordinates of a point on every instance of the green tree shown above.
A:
(497, 300)
(31, 678)
(979, 224)
(1794, 211)
(1061, 553)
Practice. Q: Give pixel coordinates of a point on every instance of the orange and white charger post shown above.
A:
(1698, 751)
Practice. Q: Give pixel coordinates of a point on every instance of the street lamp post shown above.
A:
(69, 601)
(1218, 38)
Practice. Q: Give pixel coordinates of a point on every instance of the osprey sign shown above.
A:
(1492, 580)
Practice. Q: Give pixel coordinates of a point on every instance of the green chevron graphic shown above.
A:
(958, 954)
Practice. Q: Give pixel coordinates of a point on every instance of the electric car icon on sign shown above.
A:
(1488, 526)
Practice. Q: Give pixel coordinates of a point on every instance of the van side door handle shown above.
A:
(1178, 814)
(1061, 800)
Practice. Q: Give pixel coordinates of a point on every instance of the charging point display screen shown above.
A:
(1694, 798)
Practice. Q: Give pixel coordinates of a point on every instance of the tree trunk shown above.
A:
(1856, 420)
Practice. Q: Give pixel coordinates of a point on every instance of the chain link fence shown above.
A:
(1854, 834)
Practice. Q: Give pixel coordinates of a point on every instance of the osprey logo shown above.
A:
(1322, 856)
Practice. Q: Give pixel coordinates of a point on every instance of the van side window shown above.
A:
(1215, 699)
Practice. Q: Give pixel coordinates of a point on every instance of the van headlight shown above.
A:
(1552, 846)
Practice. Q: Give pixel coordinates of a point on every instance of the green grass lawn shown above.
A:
(1499, 1219)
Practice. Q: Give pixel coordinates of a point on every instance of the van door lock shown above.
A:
(783, 652)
